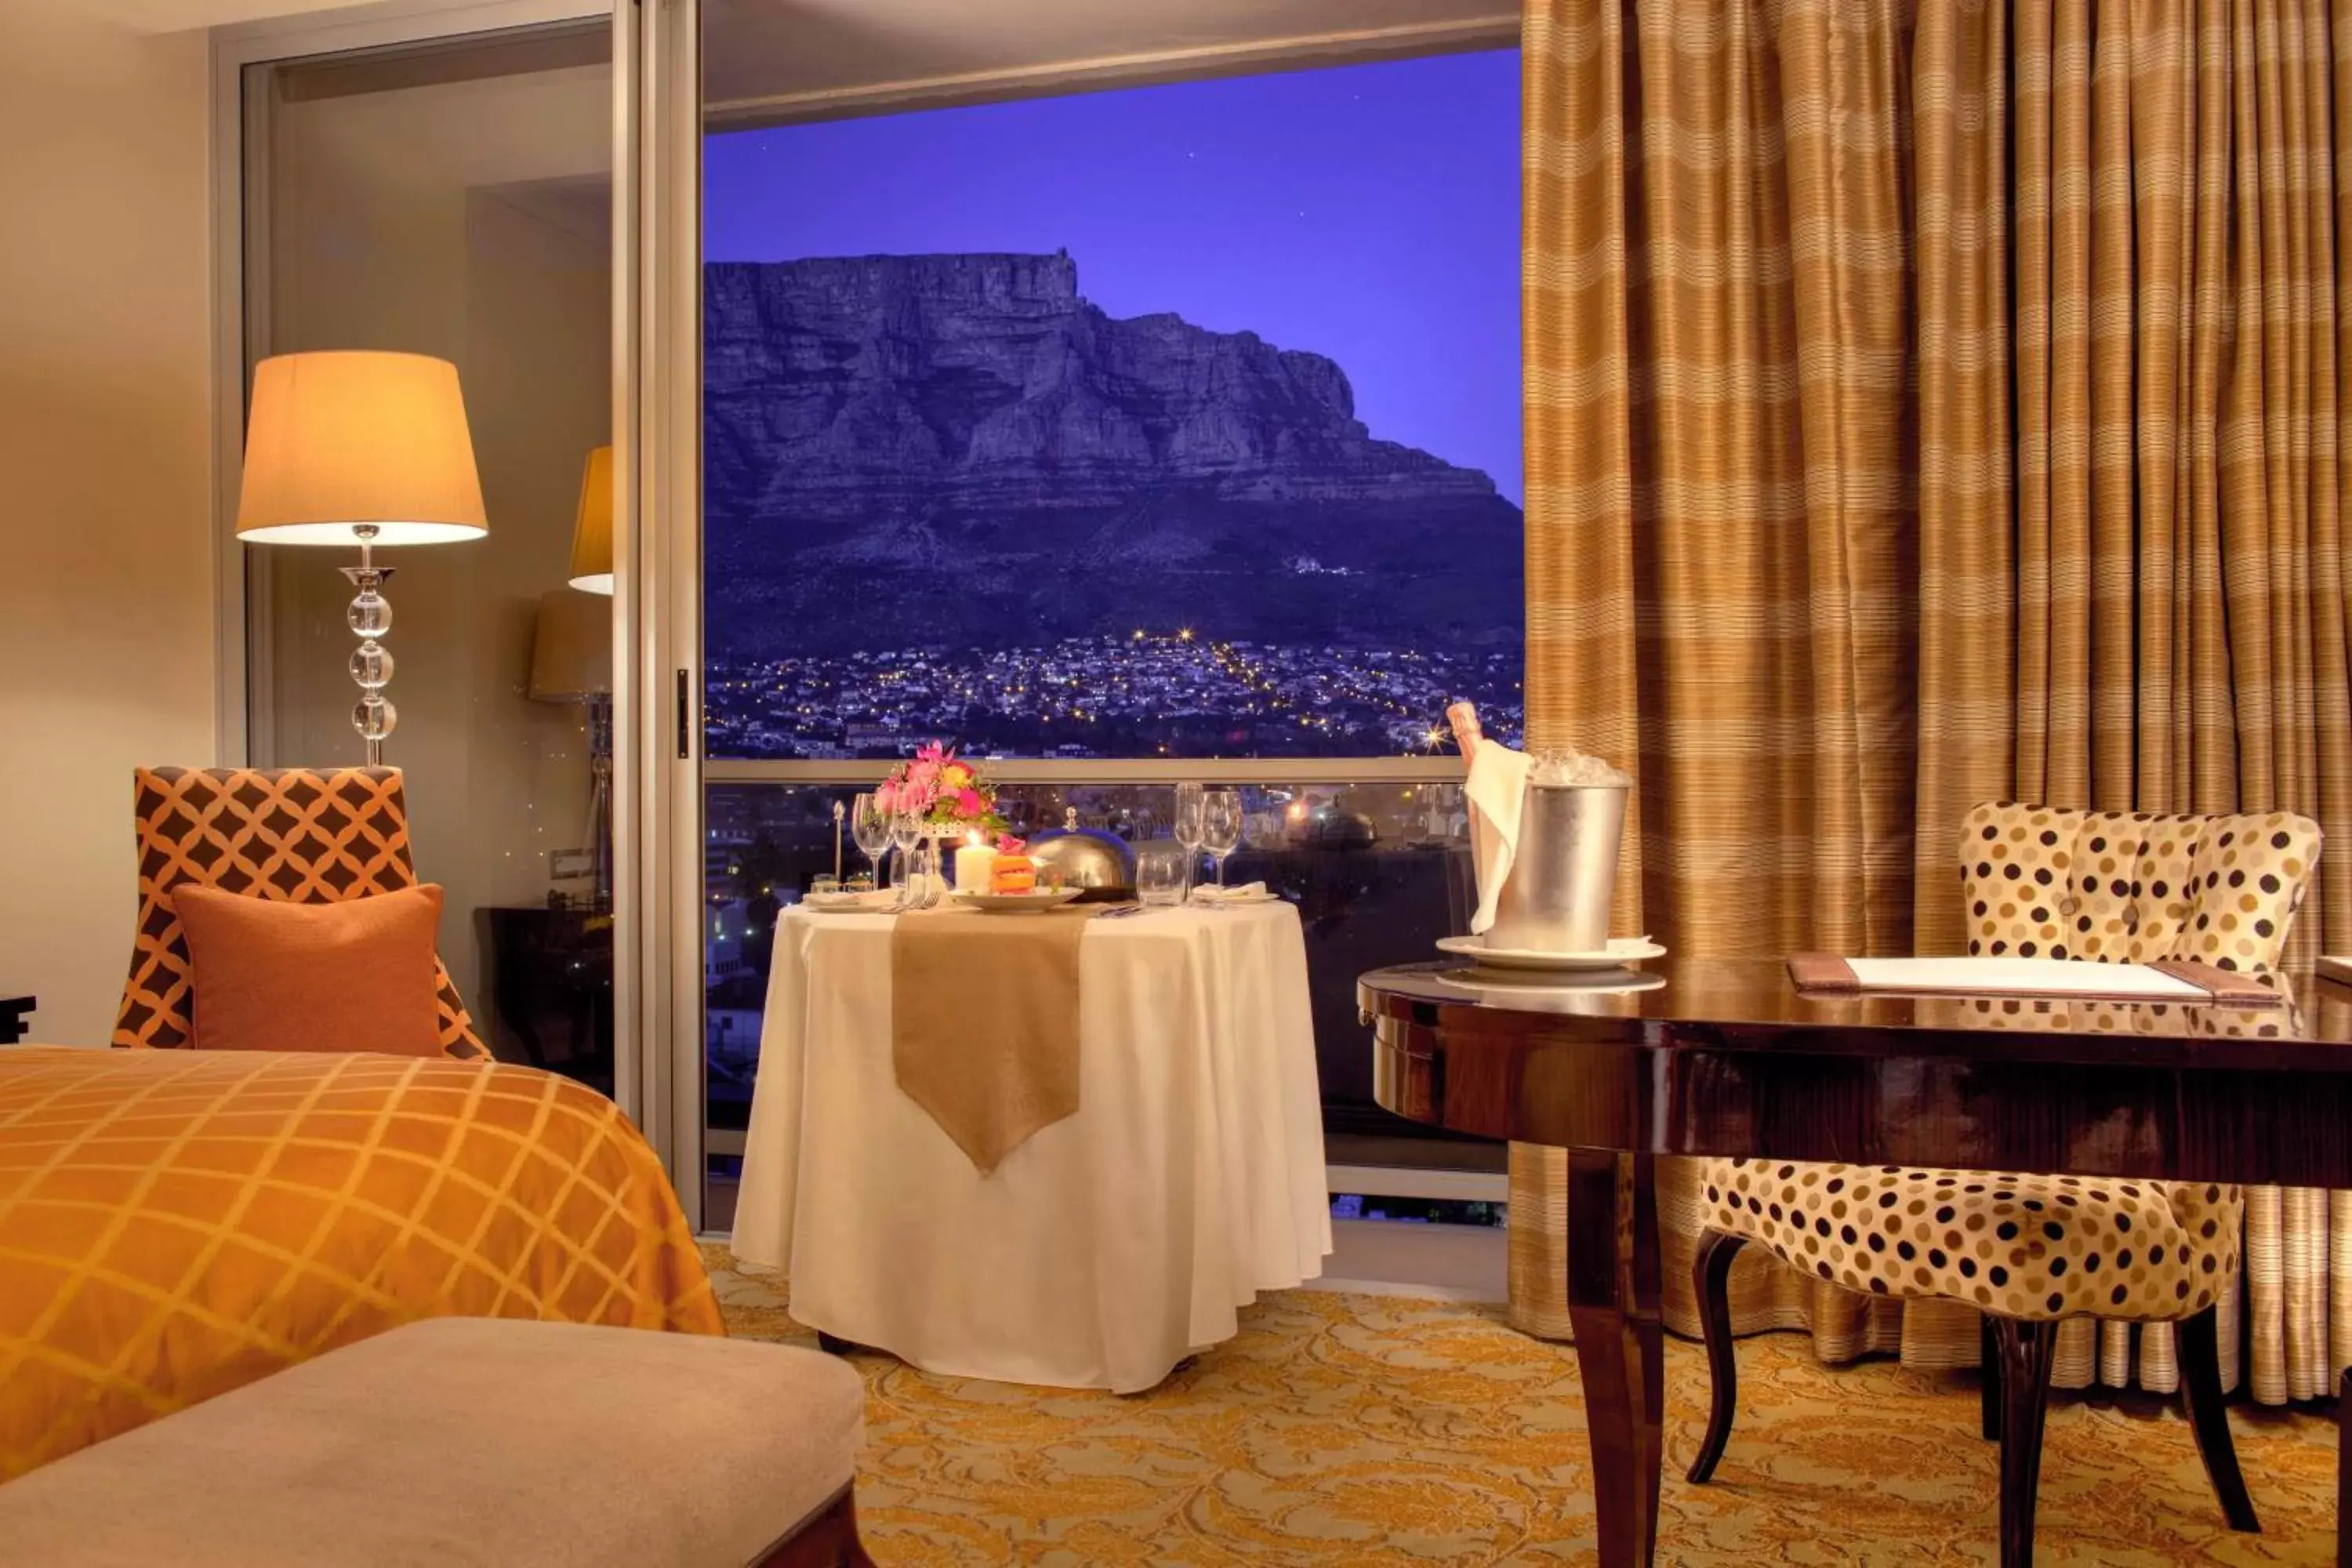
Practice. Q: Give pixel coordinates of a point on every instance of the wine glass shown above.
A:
(1221, 825)
(907, 831)
(1187, 827)
(869, 824)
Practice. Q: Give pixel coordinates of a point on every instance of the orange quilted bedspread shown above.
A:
(176, 1224)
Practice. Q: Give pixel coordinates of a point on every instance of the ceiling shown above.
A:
(184, 16)
(787, 59)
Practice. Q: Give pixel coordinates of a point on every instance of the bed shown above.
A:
(176, 1224)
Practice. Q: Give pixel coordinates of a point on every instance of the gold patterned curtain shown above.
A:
(1929, 402)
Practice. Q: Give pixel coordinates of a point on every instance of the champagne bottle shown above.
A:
(1464, 717)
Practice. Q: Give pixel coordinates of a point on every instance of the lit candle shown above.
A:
(971, 864)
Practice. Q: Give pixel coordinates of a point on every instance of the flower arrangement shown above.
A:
(951, 793)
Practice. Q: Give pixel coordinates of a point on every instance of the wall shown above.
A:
(467, 218)
(107, 641)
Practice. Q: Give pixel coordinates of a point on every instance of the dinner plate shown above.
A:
(1017, 904)
(1557, 993)
(1240, 903)
(1621, 951)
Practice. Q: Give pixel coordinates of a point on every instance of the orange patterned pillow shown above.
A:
(267, 975)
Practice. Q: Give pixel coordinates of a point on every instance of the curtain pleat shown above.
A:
(1930, 402)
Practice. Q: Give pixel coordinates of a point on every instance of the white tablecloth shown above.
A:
(1108, 1245)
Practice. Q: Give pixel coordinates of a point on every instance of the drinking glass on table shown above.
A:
(1187, 827)
(907, 834)
(1221, 825)
(869, 824)
(1159, 875)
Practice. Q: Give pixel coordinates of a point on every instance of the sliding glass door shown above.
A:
(1123, 424)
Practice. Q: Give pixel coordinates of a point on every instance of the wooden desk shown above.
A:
(1728, 1059)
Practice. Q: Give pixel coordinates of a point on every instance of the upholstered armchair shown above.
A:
(2030, 1252)
(306, 836)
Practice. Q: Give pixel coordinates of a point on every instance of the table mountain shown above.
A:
(961, 450)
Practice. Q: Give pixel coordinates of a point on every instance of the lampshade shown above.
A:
(591, 531)
(348, 437)
(571, 652)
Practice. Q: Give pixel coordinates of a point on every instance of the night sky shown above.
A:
(1370, 212)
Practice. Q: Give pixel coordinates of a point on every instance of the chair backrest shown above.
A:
(2129, 887)
(306, 836)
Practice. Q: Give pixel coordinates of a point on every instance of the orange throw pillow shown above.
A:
(359, 975)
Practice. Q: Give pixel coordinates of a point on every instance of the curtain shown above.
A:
(1931, 402)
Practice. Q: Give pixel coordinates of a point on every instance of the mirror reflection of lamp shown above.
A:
(571, 652)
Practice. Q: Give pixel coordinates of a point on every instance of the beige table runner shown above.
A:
(984, 1023)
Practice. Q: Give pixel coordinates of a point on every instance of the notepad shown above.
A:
(2169, 980)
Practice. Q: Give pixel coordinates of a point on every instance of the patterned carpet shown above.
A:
(1347, 1429)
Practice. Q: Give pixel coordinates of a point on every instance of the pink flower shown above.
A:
(885, 797)
(1008, 845)
(968, 802)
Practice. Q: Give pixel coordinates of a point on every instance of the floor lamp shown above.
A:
(367, 448)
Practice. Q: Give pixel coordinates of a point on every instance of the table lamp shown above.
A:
(360, 447)
(571, 661)
(592, 530)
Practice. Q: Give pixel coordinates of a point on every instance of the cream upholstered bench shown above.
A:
(465, 1441)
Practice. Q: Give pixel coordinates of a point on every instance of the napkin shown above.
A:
(1246, 893)
(1496, 790)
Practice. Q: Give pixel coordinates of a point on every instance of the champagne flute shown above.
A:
(906, 834)
(1187, 828)
(870, 826)
(1221, 825)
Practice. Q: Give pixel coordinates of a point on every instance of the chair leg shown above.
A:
(2209, 1417)
(1711, 1283)
(1989, 1361)
(2025, 1355)
(2344, 1471)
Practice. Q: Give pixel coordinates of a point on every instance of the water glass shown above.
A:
(1159, 875)
(1187, 825)
(869, 824)
(1221, 825)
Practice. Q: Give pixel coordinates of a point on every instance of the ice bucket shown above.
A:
(1564, 874)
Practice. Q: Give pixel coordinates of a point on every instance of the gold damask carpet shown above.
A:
(1344, 1430)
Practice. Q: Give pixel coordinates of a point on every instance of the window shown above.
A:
(1178, 421)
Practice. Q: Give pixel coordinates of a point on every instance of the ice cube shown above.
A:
(1570, 769)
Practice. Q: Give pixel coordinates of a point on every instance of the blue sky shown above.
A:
(1370, 212)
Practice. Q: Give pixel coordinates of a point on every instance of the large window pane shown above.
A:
(1176, 421)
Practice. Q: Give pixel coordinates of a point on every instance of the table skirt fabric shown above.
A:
(1109, 1245)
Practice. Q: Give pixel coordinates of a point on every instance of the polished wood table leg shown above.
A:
(1613, 1305)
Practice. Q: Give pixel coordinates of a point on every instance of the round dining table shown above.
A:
(1105, 1246)
(1729, 1057)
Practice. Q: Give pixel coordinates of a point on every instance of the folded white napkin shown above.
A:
(1496, 790)
(1246, 893)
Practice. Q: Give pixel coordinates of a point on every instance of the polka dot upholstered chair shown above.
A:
(306, 836)
(2031, 1251)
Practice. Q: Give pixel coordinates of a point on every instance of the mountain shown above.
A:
(961, 450)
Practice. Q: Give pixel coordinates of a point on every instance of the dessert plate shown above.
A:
(1017, 904)
(848, 903)
(1621, 951)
